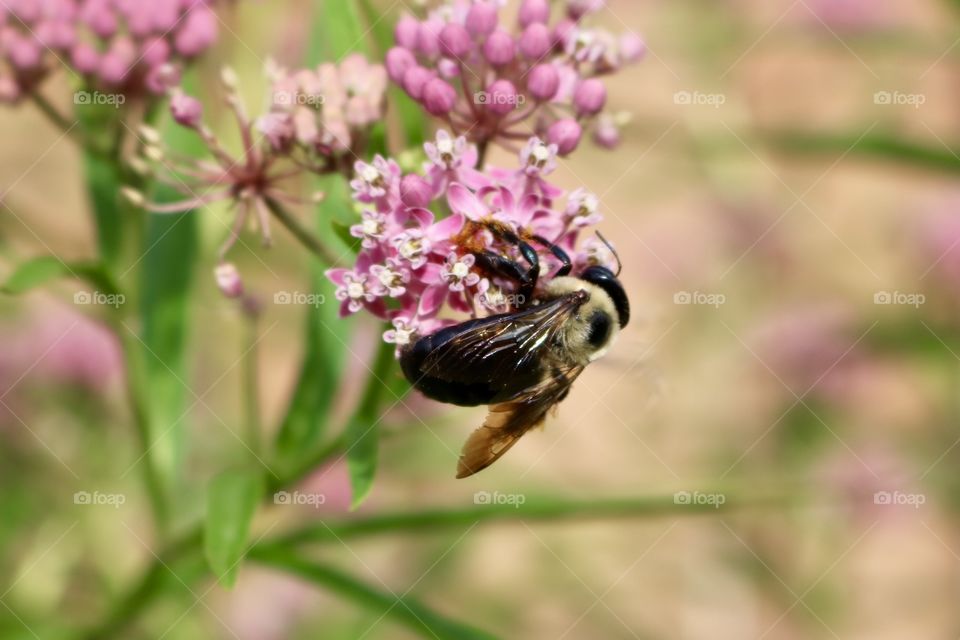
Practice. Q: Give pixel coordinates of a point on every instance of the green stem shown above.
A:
(301, 233)
(400, 608)
(533, 510)
(875, 145)
(251, 393)
(146, 589)
(137, 397)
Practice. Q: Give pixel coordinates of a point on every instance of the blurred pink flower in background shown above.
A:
(805, 347)
(938, 235)
(58, 345)
(850, 15)
(120, 46)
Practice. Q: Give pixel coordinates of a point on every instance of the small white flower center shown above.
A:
(371, 227)
(370, 174)
(403, 336)
(460, 270)
(356, 290)
(390, 278)
(411, 248)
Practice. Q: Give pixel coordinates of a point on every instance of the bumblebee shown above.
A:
(523, 362)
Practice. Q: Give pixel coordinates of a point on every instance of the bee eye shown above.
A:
(599, 329)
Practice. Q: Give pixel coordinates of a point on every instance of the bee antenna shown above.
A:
(613, 251)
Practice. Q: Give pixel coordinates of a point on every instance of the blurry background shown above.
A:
(785, 208)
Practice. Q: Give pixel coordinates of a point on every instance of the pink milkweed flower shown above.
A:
(129, 48)
(332, 106)
(251, 180)
(495, 82)
(413, 264)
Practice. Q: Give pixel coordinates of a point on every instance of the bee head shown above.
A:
(605, 279)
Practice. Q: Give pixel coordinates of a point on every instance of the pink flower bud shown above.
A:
(455, 41)
(565, 134)
(198, 32)
(543, 82)
(414, 80)
(606, 134)
(482, 18)
(534, 12)
(56, 34)
(562, 32)
(589, 97)
(278, 129)
(448, 68)
(24, 53)
(9, 90)
(499, 48)
(536, 41)
(632, 47)
(415, 191)
(155, 51)
(576, 9)
(501, 97)
(99, 17)
(405, 33)
(115, 63)
(186, 110)
(438, 97)
(428, 37)
(399, 60)
(228, 280)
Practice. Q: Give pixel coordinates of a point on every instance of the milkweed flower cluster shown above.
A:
(496, 82)
(275, 148)
(415, 263)
(329, 109)
(128, 47)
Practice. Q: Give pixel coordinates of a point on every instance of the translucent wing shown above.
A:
(508, 421)
(505, 351)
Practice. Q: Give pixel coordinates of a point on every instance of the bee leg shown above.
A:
(565, 265)
(510, 270)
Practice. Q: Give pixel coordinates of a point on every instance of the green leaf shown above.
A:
(34, 273)
(170, 245)
(324, 345)
(363, 430)
(103, 187)
(337, 31)
(402, 609)
(38, 271)
(232, 501)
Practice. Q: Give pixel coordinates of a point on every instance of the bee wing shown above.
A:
(508, 421)
(504, 349)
